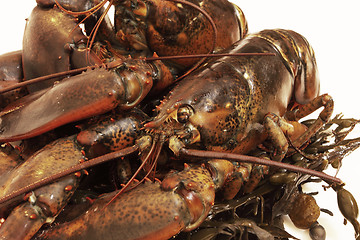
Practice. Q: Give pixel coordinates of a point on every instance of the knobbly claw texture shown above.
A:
(111, 132)
(48, 200)
(141, 213)
(150, 211)
(88, 94)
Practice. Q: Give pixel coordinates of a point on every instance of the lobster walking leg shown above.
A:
(278, 127)
(325, 101)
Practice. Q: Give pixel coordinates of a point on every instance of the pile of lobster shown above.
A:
(170, 120)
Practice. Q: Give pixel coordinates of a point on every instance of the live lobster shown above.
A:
(226, 143)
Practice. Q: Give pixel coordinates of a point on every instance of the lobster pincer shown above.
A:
(152, 210)
(45, 203)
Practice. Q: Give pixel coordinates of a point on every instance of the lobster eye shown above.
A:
(183, 113)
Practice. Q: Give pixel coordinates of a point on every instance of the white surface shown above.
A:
(333, 31)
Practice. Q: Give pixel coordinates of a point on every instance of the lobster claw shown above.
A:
(91, 93)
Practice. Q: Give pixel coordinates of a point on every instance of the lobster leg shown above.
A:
(277, 127)
(325, 101)
(234, 182)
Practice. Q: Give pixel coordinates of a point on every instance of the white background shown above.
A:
(333, 31)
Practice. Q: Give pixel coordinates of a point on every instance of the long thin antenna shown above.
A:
(119, 62)
(256, 160)
(74, 169)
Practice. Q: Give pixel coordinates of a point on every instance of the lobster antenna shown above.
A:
(97, 25)
(256, 160)
(119, 62)
(91, 10)
(74, 169)
(183, 151)
(206, 55)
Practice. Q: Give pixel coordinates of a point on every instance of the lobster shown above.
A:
(69, 51)
(153, 76)
(174, 122)
(185, 113)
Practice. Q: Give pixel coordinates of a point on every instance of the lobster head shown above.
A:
(198, 112)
